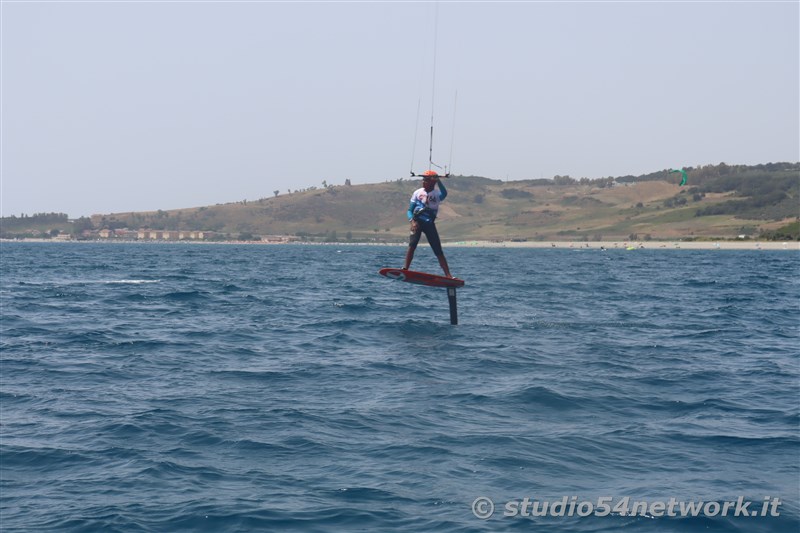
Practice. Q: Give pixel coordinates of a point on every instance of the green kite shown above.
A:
(683, 174)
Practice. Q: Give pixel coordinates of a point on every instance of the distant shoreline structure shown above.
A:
(557, 245)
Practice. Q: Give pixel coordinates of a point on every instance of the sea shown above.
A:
(186, 387)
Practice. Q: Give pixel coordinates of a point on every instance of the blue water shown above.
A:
(169, 387)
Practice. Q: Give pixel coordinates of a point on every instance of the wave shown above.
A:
(296, 392)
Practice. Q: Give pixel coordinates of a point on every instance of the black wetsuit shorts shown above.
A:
(429, 229)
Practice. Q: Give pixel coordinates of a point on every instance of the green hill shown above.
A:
(718, 201)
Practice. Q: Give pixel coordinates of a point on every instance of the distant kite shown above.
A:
(683, 173)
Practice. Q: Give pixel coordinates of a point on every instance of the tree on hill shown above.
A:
(37, 219)
(81, 225)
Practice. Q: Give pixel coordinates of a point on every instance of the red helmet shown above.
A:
(430, 174)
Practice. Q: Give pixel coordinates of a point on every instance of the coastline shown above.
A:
(636, 245)
(573, 245)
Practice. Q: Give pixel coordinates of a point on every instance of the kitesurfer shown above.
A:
(422, 213)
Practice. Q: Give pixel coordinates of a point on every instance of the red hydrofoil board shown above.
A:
(420, 278)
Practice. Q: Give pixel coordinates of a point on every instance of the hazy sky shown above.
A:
(132, 106)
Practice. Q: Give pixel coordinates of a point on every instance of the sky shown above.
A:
(136, 106)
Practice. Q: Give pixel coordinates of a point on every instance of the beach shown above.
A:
(637, 245)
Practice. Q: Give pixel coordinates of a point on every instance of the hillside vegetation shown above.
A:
(718, 201)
